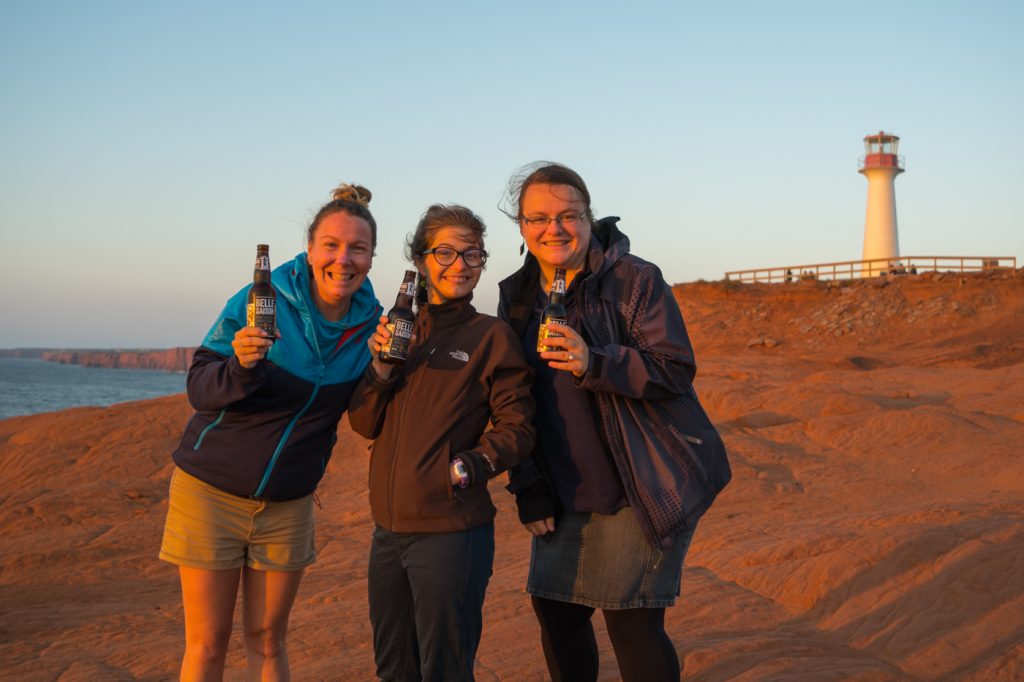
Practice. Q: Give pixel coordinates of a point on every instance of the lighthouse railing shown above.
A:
(881, 160)
(876, 267)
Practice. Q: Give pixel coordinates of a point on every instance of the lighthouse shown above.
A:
(880, 165)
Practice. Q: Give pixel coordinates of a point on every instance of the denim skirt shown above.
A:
(604, 561)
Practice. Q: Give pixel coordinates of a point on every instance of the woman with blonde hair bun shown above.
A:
(241, 501)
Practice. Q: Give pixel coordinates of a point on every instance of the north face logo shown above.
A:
(460, 355)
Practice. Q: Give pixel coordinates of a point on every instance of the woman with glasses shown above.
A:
(432, 455)
(626, 461)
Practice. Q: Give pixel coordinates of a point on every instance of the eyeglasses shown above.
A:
(446, 255)
(569, 220)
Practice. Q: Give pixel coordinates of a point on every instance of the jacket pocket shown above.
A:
(700, 443)
(677, 458)
(690, 443)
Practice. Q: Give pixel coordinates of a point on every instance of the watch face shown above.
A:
(461, 472)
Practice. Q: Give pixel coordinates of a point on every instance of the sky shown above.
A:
(146, 148)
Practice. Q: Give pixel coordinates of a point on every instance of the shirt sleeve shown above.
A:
(215, 381)
(512, 436)
(369, 403)
(653, 359)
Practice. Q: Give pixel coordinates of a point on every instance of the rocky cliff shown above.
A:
(168, 359)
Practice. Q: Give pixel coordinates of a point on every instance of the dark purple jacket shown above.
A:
(670, 457)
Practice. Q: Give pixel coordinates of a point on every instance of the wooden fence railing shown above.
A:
(853, 269)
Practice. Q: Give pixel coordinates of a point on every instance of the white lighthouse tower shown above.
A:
(880, 165)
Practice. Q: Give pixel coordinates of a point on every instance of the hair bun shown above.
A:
(354, 193)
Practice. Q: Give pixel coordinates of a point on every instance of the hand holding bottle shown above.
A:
(380, 338)
(566, 349)
(251, 345)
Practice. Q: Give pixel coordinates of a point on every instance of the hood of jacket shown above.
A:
(295, 311)
(607, 245)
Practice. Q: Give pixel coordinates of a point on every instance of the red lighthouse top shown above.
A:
(881, 151)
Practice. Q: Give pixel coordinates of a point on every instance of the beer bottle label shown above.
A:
(262, 262)
(401, 334)
(262, 313)
(545, 333)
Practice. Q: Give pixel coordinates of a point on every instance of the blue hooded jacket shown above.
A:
(268, 432)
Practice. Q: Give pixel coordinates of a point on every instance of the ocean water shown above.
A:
(33, 386)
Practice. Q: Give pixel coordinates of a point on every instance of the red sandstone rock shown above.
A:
(872, 530)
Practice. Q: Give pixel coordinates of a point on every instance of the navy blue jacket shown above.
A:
(268, 432)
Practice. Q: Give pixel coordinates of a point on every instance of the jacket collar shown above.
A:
(295, 282)
(450, 313)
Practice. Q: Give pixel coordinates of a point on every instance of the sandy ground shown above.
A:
(872, 530)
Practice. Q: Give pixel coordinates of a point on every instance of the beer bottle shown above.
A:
(400, 321)
(554, 311)
(261, 305)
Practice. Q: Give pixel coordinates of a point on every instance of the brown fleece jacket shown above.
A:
(463, 370)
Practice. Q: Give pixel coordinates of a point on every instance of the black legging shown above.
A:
(642, 647)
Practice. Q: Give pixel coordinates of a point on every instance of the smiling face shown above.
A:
(447, 282)
(340, 255)
(555, 243)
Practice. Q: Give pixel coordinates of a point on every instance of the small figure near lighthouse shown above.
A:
(880, 165)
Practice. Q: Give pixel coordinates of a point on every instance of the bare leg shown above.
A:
(267, 598)
(209, 601)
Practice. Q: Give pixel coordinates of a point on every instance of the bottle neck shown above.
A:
(556, 292)
(548, 277)
(261, 273)
(407, 293)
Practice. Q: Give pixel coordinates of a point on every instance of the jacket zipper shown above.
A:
(291, 425)
(209, 427)
(622, 456)
(284, 437)
(401, 420)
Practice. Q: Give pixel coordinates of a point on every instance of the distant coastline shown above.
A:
(167, 359)
(25, 353)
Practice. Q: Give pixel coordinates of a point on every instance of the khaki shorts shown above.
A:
(209, 528)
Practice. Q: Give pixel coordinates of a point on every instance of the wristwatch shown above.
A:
(460, 471)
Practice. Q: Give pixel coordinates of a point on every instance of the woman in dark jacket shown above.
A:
(241, 500)
(627, 461)
(433, 545)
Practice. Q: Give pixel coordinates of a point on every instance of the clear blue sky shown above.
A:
(145, 148)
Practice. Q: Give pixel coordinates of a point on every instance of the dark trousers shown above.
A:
(426, 602)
